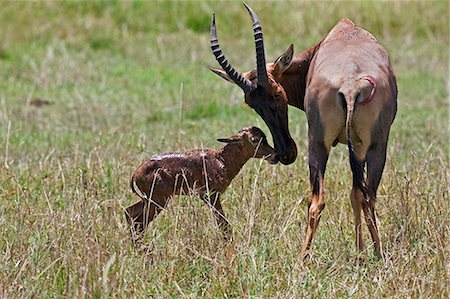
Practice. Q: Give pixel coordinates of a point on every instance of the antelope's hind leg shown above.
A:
(357, 198)
(376, 159)
(318, 156)
(139, 215)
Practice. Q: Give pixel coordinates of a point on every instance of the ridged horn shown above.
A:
(259, 45)
(237, 77)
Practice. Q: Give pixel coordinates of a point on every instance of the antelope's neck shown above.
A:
(293, 79)
(234, 156)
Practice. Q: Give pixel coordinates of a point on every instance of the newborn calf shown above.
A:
(204, 172)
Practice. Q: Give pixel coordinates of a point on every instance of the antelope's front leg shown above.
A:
(318, 156)
(214, 201)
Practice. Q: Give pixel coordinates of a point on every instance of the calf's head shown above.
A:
(254, 139)
(261, 89)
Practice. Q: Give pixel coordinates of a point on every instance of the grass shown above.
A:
(125, 80)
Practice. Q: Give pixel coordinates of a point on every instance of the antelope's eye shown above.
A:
(254, 140)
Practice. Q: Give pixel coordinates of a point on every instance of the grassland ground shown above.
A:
(125, 80)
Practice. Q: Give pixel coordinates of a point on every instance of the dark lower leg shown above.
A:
(315, 209)
(139, 215)
(356, 199)
(371, 220)
(376, 159)
(219, 214)
(318, 156)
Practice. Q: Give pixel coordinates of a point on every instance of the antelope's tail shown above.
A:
(348, 99)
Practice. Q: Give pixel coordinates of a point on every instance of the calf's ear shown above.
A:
(229, 140)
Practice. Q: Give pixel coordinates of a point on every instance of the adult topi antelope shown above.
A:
(347, 88)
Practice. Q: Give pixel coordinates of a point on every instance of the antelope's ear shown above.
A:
(283, 62)
(220, 72)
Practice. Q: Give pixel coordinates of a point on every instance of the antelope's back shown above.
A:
(179, 172)
(350, 52)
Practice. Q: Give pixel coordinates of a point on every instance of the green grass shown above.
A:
(126, 80)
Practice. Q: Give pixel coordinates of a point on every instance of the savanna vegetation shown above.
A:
(121, 80)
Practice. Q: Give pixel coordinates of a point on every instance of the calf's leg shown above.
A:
(214, 201)
(139, 215)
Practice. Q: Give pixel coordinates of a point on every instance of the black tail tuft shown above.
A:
(357, 168)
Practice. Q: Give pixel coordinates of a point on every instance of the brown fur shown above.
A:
(335, 89)
(327, 82)
(203, 172)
